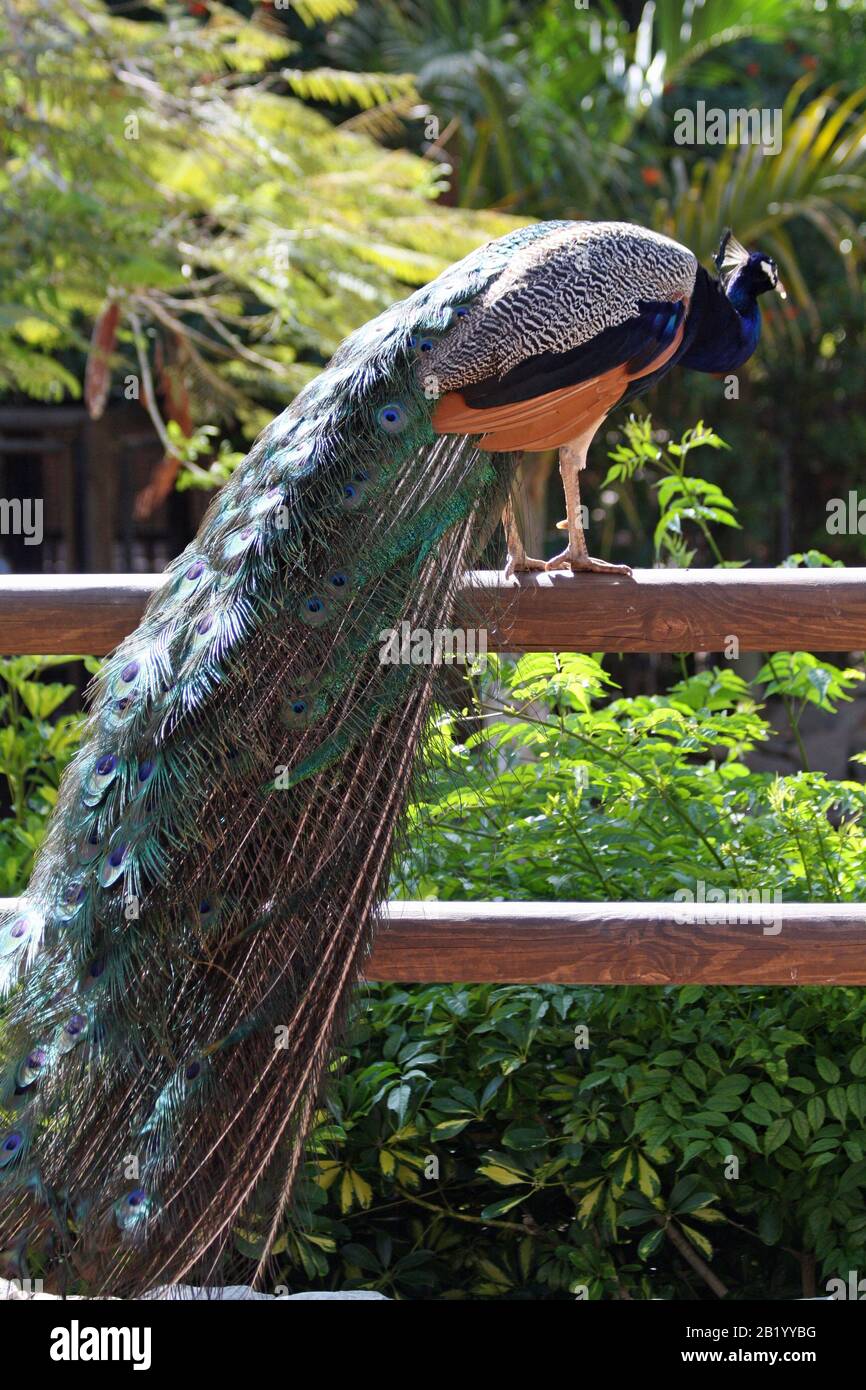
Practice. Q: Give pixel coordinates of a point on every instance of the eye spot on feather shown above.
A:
(210, 909)
(130, 673)
(93, 974)
(30, 1069)
(339, 583)
(314, 611)
(190, 578)
(268, 502)
(204, 633)
(352, 496)
(72, 1033)
(72, 900)
(460, 311)
(113, 865)
(15, 935)
(100, 779)
(90, 847)
(392, 417)
(132, 1208)
(10, 1147)
(239, 544)
(297, 712)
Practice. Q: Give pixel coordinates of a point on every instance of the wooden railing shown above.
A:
(568, 943)
(656, 611)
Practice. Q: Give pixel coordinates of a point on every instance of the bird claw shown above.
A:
(585, 564)
(523, 564)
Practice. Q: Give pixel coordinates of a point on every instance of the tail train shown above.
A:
(210, 880)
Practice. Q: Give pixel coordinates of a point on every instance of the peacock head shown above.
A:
(745, 274)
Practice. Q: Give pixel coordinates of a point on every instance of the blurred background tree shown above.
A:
(177, 222)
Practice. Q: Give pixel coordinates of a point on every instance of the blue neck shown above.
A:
(727, 326)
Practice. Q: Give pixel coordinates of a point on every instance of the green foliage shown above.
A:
(490, 1142)
(680, 497)
(164, 165)
(633, 798)
(33, 753)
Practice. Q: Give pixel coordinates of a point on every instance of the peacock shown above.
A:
(213, 871)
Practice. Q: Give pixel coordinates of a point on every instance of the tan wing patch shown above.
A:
(549, 421)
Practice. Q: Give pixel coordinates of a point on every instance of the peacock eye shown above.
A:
(94, 972)
(113, 865)
(10, 1147)
(392, 417)
(314, 611)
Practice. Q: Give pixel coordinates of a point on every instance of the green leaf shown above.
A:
(649, 1244)
(827, 1069)
(778, 1134)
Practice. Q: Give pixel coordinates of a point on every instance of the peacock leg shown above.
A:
(572, 458)
(518, 561)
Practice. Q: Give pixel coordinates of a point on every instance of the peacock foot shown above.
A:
(523, 564)
(585, 564)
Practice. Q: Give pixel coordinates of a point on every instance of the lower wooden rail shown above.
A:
(619, 943)
(631, 943)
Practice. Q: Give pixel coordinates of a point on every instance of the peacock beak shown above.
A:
(780, 290)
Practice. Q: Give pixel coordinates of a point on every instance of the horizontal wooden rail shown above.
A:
(623, 943)
(656, 611)
(619, 943)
